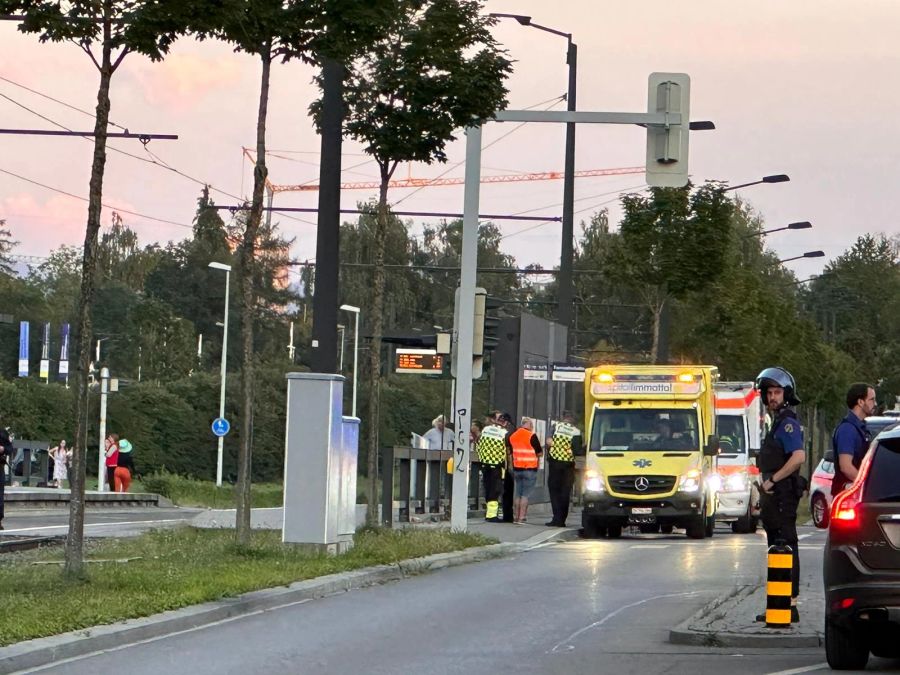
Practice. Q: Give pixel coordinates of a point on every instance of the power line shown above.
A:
(85, 199)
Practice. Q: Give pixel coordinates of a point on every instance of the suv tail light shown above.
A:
(843, 510)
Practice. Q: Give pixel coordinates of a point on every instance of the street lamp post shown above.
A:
(227, 269)
(355, 312)
(801, 225)
(808, 254)
(775, 178)
(567, 251)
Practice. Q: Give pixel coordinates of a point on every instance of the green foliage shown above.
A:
(204, 493)
(168, 569)
(6, 247)
(36, 411)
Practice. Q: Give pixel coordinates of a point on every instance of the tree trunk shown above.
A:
(74, 555)
(248, 310)
(381, 223)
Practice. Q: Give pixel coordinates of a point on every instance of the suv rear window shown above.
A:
(883, 481)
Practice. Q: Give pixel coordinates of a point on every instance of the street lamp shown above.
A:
(566, 289)
(800, 225)
(775, 178)
(355, 311)
(808, 254)
(227, 268)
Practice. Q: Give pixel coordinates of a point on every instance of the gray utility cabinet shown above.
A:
(320, 458)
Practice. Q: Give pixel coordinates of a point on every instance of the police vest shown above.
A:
(523, 455)
(561, 443)
(771, 455)
(492, 445)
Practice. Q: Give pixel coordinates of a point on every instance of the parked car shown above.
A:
(820, 482)
(862, 562)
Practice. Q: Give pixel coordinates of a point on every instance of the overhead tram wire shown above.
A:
(85, 199)
(154, 159)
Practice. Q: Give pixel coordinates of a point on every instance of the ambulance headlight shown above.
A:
(690, 482)
(736, 482)
(593, 481)
(715, 482)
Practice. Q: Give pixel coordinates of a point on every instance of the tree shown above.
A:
(6, 246)
(114, 28)
(270, 30)
(435, 69)
(672, 242)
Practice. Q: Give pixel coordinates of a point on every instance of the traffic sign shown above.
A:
(220, 426)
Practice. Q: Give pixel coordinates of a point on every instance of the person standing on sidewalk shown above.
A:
(525, 449)
(60, 457)
(112, 461)
(851, 437)
(492, 457)
(507, 511)
(562, 447)
(780, 458)
(124, 466)
(6, 451)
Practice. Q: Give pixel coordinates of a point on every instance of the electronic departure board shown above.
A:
(424, 361)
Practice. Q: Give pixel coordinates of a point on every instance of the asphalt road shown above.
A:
(99, 522)
(571, 607)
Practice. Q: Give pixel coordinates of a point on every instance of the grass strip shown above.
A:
(201, 493)
(174, 568)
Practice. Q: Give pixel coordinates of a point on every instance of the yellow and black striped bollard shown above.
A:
(778, 586)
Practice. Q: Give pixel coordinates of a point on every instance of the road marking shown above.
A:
(66, 527)
(649, 546)
(193, 629)
(805, 669)
(613, 614)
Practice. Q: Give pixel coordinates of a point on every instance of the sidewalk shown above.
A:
(729, 621)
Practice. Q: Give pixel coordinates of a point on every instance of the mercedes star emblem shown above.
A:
(641, 484)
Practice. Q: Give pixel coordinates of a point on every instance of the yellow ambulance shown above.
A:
(651, 449)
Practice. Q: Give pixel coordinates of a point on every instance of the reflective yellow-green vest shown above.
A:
(492, 445)
(561, 443)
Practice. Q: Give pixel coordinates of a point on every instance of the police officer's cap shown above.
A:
(778, 377)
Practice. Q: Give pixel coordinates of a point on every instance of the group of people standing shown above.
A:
(119, 463)
(509, 457)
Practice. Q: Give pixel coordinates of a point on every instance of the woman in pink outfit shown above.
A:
(112, 460)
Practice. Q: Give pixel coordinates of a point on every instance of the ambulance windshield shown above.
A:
(731, 433)
(658, 429)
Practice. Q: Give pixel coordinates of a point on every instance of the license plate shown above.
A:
(641, 511)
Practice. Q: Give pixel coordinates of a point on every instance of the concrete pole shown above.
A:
(104, 390)
(355, 359)
(567, 253)
(465, 329)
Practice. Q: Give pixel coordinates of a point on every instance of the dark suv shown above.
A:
(862, 561)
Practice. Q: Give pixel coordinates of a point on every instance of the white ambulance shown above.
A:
(739, 422)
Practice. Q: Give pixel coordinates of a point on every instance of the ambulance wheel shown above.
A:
(614, 531)
(696, 529)
(746, 524)
(666, 529)
(710, 528)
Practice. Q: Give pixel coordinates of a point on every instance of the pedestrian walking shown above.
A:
(6, 451)
(60, 456)
(492, 457)
(525, 450)
(779, 462)
(112, 461)
(851, 437)
(563, 446)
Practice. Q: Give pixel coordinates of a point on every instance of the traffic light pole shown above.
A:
(465, 333)
(464, 327)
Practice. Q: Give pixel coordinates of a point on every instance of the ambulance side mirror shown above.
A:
(712, 446)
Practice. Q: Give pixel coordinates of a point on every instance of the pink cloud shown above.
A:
(183, 80)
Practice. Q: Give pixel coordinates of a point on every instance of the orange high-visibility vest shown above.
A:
(523, 455)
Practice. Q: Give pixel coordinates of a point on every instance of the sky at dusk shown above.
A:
(802, 87)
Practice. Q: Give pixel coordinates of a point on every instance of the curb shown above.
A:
(686, 632)
(56, 648)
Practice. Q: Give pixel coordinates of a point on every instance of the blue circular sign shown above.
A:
(220, 426)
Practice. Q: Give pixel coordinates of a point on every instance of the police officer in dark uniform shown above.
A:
(780, 458)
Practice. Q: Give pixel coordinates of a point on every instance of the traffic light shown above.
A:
(491, 329)
(667, 146)
(485, 336)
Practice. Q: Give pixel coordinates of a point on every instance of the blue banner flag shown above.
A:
(23, 348)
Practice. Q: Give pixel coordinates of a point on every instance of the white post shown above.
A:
(104, 390)
(222, 378)
(355, 311)
(221, 444)
(342, 329)
(459, 510)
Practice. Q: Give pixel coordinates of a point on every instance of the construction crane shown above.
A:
(411, 182)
